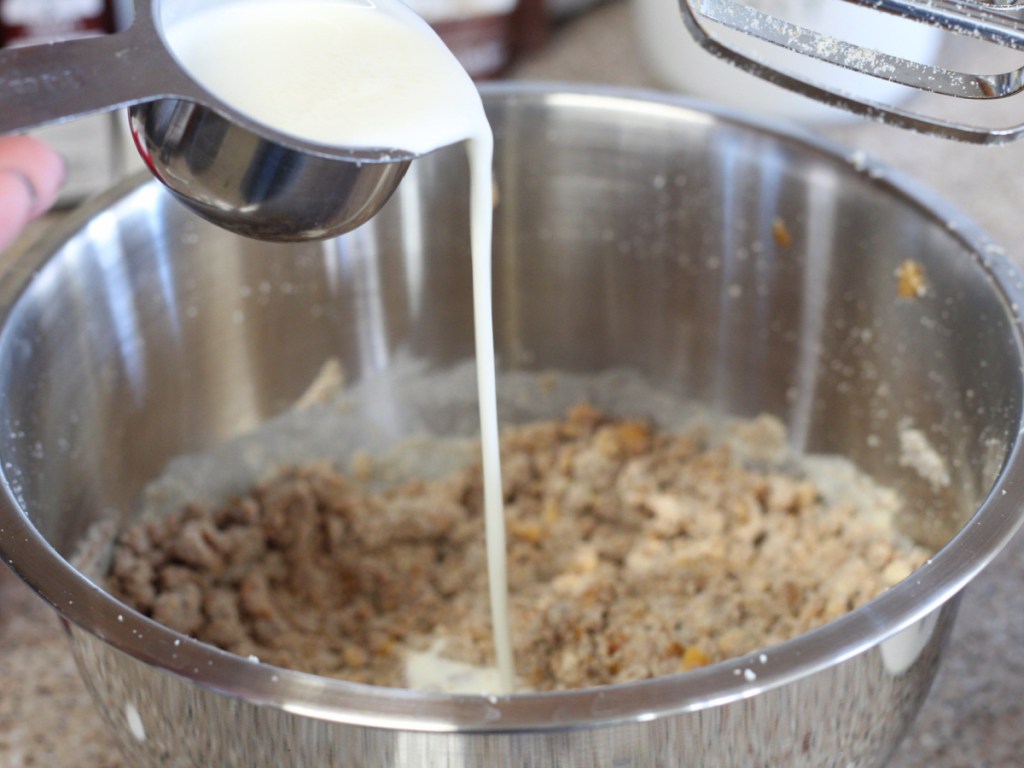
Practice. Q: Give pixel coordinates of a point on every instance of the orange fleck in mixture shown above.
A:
(780, 233)
(911, 280)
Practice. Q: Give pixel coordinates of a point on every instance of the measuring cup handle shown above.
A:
(54, 82)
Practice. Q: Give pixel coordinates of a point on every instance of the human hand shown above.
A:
(31, 174)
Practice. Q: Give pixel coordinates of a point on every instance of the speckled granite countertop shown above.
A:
(974, 714)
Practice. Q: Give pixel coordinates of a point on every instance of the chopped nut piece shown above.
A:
(526, 531)
(896, 572)
(694, 658)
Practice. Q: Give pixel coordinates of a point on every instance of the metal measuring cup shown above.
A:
(228, 168)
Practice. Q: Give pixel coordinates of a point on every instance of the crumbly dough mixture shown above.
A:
(633, 553)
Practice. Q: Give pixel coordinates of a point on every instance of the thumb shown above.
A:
(31, 174)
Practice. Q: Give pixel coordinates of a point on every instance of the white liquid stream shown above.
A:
(358, 73)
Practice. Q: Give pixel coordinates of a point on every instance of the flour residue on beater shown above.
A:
(367, 74)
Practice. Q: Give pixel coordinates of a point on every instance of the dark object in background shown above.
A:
(23, 22)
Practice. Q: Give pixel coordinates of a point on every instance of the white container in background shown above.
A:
(682, 65)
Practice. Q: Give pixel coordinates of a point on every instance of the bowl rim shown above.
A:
(85, 606)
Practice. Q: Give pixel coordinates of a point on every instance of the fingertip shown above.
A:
(16, 210)
(48, 175)
(41, 165)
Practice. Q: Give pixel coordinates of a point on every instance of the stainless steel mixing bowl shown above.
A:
(726, 260)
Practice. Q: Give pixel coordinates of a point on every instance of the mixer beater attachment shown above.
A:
(987, 23)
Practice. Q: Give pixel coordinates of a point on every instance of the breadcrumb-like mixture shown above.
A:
(633, 553)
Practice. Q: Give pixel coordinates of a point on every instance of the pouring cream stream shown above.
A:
(362, 73)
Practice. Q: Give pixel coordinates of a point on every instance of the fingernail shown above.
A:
(63, 168)
(33, 193)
